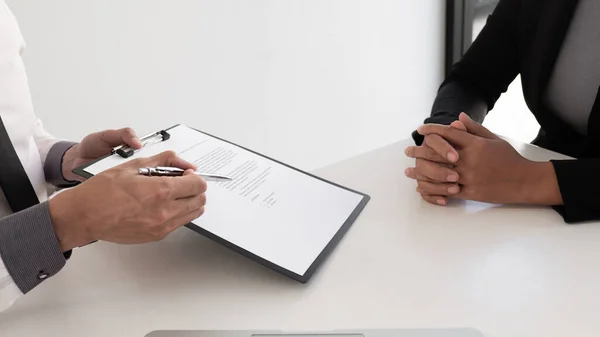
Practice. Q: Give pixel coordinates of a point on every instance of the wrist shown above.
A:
(67, 221)
(540, 186)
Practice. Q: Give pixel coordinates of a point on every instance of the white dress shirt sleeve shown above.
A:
(9, 292)
(44, 140)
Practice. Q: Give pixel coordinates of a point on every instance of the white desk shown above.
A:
(507, 271)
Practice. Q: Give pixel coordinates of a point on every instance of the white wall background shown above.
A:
(510, 117)
(309, 82)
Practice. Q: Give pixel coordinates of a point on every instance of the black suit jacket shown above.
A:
(525, 37)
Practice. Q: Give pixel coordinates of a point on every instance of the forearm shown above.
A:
(452, 99)
(540, 185)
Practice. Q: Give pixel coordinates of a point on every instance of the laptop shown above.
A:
(340, 333)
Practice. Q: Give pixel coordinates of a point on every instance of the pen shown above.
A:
(176, 172)
(157, 137)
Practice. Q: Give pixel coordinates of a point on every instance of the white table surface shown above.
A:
(507, 271)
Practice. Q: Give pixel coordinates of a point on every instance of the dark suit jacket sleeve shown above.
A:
(29, 247)
(53, 165)
(578, 183)
(475, 83)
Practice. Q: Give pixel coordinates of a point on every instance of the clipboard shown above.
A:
(361, 199)
(125, 151)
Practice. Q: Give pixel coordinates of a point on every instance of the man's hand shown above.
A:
(94, 146)
(433, 169)
(121, 206)
(491, 170)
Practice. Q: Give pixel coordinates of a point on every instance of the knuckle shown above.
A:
(202, 185)
(431, 154)
(162, 215)
(421, 177)
(200, 212)
(430, 188)
(428, 199)
(478, 144)
(129, 131)
(170, 154)
(431, 170)
(412, 173)
(188, 208)
(164, 157)
(435, 138)
(162, 193)
(430, 140)
(426, 188)
(446, 131)
(440, 172)
(164, 190)
(437, 172)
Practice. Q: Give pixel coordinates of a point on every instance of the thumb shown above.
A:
(125, 136)
(459, 125)
(475, 128)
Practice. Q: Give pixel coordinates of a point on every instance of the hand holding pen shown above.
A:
(117, 205)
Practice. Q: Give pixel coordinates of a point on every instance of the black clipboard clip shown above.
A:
(157, 137)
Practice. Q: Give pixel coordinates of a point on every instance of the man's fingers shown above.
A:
(125, 136)
(442, 147)
(475, 128)
(163, 230)
(437, 189)
(436, 172)
(189, 185)
(184, 219)
(182, 207)
(167, 158)
(452, 135)
(435, 199)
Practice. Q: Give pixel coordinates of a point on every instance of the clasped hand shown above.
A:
(467, 161)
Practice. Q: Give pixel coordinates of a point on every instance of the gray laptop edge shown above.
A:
(337, 333)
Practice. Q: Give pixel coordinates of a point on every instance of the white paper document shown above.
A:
(268, 209)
